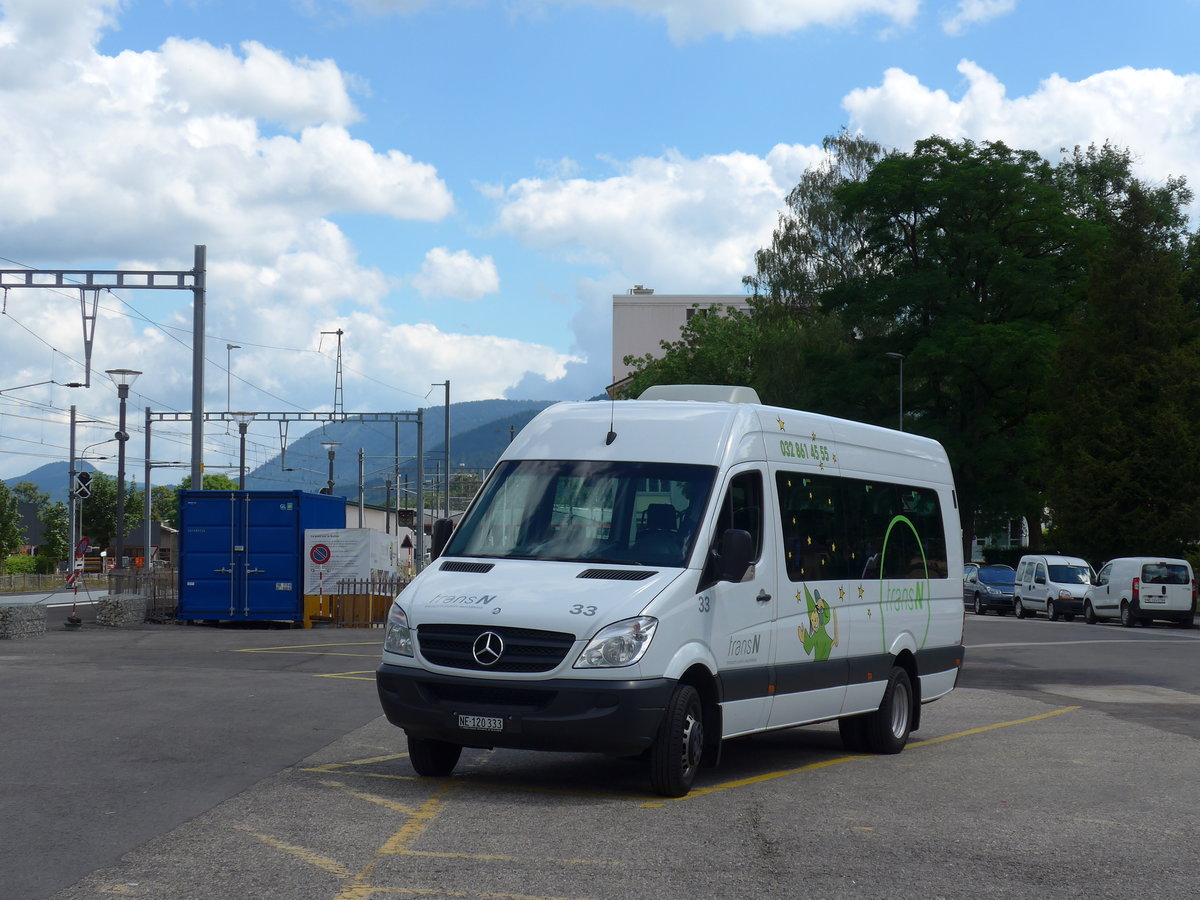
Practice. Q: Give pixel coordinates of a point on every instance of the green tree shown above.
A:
(979, 261)
(12, 532)
(1127, 480)
(99, 511)
(217, 481)
(55, 531)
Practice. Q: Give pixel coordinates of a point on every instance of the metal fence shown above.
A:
(160, 587)
(13, 584)
(364, 603)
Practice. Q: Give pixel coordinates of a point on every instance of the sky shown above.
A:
(461, 186)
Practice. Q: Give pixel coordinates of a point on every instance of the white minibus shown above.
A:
(650, 578)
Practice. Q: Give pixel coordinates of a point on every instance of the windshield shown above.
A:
(997, 576)
(1070, 575)
(575, 511)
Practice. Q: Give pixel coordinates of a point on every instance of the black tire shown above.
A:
(888, 727)
(1052, 612)
(1128, 619)
(979, 610)
(433, 759)
(1018, 609)
(854, 734)
(1089, 614)
(677, 749)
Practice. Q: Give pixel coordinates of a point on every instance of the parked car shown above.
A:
(1053, 585)
(1139, 589)
(989, 587)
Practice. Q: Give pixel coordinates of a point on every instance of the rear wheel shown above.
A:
(431, 758)
(1128, 619)
(1089, 614)
(1018, 609)
(887, 728)
(676, 751)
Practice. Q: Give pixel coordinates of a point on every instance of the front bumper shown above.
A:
(576, 715)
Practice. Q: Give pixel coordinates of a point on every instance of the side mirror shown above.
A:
(439, 535)
(736, 550)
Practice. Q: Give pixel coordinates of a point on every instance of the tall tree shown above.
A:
(1126, 482)
(12, 532)
(978, 265)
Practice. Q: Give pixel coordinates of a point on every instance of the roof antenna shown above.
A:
(612, 408)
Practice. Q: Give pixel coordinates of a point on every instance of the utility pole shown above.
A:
(338, 397)
(446, 486)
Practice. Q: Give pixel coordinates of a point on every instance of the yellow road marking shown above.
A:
(366, 675)
(771, 776)
(324, 863)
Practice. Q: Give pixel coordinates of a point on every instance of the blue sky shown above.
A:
(461, 185)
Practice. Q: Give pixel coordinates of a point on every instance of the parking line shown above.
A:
(771, 776)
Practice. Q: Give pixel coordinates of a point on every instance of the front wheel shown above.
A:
(676, 751)
(979, 610)
(434, 759)
(888, 727)
(1051, 612)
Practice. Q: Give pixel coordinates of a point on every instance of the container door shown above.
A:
(269, 551)
(209, 564)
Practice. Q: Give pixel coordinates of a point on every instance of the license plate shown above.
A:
(481, 723)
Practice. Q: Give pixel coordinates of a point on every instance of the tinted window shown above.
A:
(836, 528)
(1165, 573)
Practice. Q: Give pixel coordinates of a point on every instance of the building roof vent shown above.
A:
(641, 289)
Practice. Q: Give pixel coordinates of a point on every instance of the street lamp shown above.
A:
(331, 447)
(899, 356)
(243, 420)
(122, 378)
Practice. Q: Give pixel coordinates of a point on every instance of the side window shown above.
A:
(846, 528)
(1040, 577)
(1102, 578)
(742, 507)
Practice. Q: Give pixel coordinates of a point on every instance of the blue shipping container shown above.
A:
(241, 553)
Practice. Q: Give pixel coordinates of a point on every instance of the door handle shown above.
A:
(224, 571)
(255, 571)
(763, 596)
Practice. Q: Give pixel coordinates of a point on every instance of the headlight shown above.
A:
(1064, 594)
(619, 644)
(991, 591)
(398, 638)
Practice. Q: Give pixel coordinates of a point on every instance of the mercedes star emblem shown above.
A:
(487, 648)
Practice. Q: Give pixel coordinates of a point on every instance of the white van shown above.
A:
(1143, 588)
(1053, 585)
(652, 577)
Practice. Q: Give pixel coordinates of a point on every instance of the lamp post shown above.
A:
(243, 420)
(122, 378)
(899, 356)
(331, 448)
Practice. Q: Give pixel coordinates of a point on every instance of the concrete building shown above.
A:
(642, 320)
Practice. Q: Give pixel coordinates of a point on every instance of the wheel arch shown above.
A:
(699, 677)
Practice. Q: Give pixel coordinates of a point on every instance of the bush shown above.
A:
(20, 564)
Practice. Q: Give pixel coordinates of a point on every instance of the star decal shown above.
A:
(782, 427)
(860, 592)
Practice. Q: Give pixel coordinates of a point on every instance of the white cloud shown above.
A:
(695, 19)
(691, 224)
(975, 12)
(457, 275)
(1153, 112)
